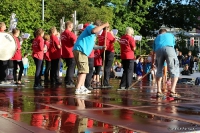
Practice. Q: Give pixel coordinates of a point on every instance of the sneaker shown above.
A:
(80, 91)
(37, 86)
(121, 89)
(70, 86)
(85, 89)
(5, 82)
(90, 88)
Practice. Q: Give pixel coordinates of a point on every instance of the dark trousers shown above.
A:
(21, 66)
(47, 69)
(89, 75)
(70, 63)
(109, 57)
(127, 76)
(54, 72)
(38, 64)
(3, 70)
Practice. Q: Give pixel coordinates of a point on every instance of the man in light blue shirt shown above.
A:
(82, 49)
(163, 47)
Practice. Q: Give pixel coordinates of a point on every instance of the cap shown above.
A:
(85, 25)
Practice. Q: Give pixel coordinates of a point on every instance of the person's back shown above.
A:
(162, 40)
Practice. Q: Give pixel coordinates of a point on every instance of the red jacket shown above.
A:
(54, 51)
(127, 43)
(18, 53)
(38, 48)
(68, 39)
(97, 58)
(109, 41)
(46, 55)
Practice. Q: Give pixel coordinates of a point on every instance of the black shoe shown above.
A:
(58, 83)
(37, 86)
(47, 81)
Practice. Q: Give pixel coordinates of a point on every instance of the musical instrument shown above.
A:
(8, 46)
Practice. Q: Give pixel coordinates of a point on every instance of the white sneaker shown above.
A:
(85, 89)
(80, 91)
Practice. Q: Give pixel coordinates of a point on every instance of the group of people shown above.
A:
(81, 51)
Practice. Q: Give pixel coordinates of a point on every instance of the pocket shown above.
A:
(176, 63)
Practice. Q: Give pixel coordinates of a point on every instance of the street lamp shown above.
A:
(42, 10)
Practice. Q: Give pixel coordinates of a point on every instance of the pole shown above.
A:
(74, 22)
(140, 47)
(42, 10)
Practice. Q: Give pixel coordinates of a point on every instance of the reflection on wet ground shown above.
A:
(57, 109)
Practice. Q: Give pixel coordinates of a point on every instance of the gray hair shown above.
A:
(129, 30)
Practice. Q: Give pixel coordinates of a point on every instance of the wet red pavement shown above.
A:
(55, 109)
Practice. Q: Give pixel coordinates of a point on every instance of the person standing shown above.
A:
(82, 49)
(68, 38)
(47, 58)
(127, 45)
(3, 63)
(17, 59)
(38, 55)
(164, 49)
(55, 55)
(191, 61)
(25, 63)
(109, 53)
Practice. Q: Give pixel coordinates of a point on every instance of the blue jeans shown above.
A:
(25, 71)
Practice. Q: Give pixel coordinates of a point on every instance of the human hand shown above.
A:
(106, 24)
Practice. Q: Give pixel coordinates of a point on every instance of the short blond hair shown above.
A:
(52, 30)
(68, 23)
(2, 24)
(129, 30)
(39, 32)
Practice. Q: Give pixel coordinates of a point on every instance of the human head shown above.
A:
(180, 53)
(53, 31)
(120, 65)
(116, 63)
(162, 31)
(98, 23)
(129, 31)
(46, 37)
(69, 25)
(25, 54)
(141, 59)
(138, 57)
(16, 32)
(189, 53)
(186, 67)
(2, 26)
(39, 32)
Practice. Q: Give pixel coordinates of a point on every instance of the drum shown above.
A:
(8, 46)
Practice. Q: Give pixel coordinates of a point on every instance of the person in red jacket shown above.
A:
(127, 45)
(55, 55)
(17, 58)
(97, 65)
(68, 38)
(109, 53)
(47, 58)
(38, 54)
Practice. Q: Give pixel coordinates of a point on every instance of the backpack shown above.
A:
(197, 81)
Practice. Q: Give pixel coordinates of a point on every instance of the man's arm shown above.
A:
(97, 29)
